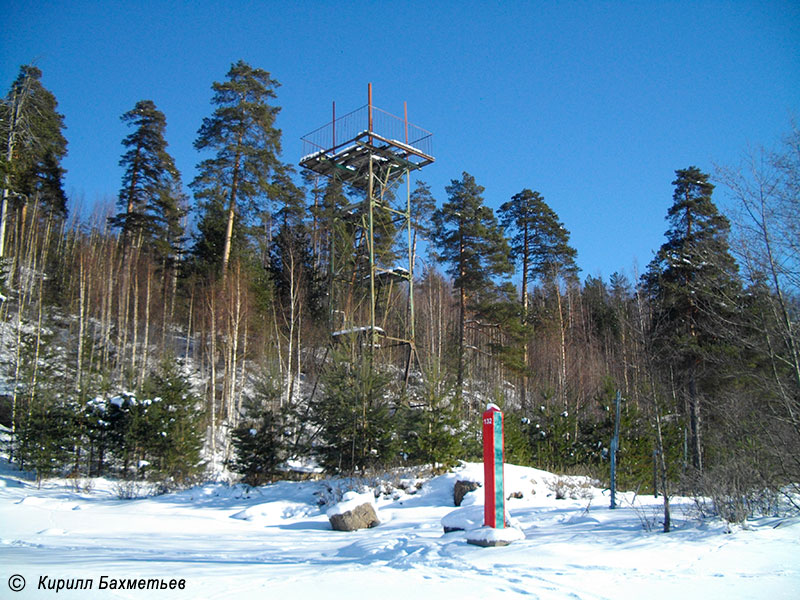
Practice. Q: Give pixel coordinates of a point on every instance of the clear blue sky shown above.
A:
(593, 104)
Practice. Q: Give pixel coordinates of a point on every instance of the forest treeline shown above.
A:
(132, 340)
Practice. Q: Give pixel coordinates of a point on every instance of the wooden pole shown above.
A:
(614, 447)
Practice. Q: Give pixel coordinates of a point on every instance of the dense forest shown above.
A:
(188, 328)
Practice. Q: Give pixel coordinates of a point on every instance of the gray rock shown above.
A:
(488, 543)
(462, 488)
(361, 517)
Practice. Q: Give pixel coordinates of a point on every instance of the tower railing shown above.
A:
(355, 125)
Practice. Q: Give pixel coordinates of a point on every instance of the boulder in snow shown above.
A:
(355, 511)
(462, 488)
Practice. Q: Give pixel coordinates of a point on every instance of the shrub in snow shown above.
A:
(735, 491)
(128, 489)
(569, 487)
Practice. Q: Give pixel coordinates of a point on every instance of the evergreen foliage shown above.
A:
(46, 436)
(355, 417)
(232, 187)
(694, 291)
(150, 197)
(44, 422)
(431, 426)
(172, 429)
(258, 438)
(423, 205)
(709, 373)
(539, 242)
(470, 241)
(540, 246)
(31, 131)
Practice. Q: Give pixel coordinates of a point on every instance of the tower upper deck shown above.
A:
(344, 147)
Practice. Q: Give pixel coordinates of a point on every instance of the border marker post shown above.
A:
(494, 504)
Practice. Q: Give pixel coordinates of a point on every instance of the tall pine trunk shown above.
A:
(226, 252)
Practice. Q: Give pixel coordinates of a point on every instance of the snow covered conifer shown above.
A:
(172, 427)
(257, 438)
(354, 417)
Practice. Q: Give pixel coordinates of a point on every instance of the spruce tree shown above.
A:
(33, 146)
(175, 421)
(46, 424)
(258, 437)
(470, 241)
(431, 426)
(354, 416)
(149, 200)
(232, 186)
(694, 289)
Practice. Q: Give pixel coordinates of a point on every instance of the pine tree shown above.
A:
(693, 286)
(423, 205)
(231, 187)
(540, 245)
(518, 218)
(470, 241)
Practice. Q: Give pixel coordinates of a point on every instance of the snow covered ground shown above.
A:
(275, 542)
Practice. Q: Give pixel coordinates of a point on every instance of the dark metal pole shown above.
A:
(369, 109)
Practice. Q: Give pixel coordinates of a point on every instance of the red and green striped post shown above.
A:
(494, 506)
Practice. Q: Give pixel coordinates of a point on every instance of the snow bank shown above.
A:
(468, 518)
(350, 501)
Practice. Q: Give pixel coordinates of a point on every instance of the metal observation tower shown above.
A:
(367, 155)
